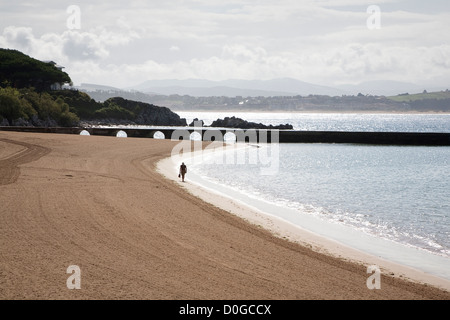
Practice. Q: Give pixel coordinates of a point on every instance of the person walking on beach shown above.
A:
(183, 171)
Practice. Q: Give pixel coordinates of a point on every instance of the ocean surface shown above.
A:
(390, 201)
(336, 121)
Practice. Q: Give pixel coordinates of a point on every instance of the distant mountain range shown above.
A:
(263, 88)
(234, 87)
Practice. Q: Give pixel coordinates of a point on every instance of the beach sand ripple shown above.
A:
(100, 204)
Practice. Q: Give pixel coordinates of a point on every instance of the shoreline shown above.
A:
(99, 203)
(322, 111)
(287, 230)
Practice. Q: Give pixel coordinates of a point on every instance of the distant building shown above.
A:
(56, 85)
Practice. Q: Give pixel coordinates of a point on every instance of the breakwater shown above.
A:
(257, 135)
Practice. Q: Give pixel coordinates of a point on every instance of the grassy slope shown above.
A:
(421, 96)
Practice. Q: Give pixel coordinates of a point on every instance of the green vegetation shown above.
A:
(89, 109)
(405, 97)
(62, 107)
(430, 102)
(25, 84)
(34, 107)
(433, 101)
(115, 111)
(79, 103)
(13, 106)
(18, 70)
(49, 108)
(26, 98)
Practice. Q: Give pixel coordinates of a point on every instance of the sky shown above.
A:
(326, 42)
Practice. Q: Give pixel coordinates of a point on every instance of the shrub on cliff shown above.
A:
(13, 106)
(114, 111)
(79, 102)
(49, 108)
(34, 108)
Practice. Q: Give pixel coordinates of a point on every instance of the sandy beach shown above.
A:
(101, 203)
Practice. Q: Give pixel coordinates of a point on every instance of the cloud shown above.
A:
(319, 41)
(70, 45)
(343, 65)
(347, 3)
(19, 37)
(83, 46)
(85, 54)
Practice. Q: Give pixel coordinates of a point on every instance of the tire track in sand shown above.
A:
(9, 167)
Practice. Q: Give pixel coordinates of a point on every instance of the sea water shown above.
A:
(390, 201)
(336, 121)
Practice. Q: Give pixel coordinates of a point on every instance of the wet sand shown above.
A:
(101, 204)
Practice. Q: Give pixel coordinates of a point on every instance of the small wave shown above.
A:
(335, 174)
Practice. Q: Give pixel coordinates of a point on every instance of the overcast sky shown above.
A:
(328, 42)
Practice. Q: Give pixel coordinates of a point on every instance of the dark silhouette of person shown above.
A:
(183, 171)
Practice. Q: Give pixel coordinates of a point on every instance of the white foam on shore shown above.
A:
(326, 237)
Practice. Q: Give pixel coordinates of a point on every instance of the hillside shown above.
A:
(21, 71)
(27, 107)
(406, 97)
(28, 98)
(117, 110)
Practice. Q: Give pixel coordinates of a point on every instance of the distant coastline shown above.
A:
(433, 102)
(322, 111)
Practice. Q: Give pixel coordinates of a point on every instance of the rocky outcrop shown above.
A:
(148, 114)
(4, 123)
(239, 123)
(33, 122)
(196, 121)
(159, 116)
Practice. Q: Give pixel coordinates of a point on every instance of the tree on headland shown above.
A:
(33, 107)
(47, 107)
(18, 70)
(30, 95)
